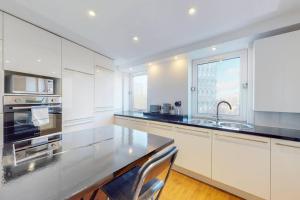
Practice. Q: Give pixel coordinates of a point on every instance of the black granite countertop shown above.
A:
(87, 157)
(271, 132)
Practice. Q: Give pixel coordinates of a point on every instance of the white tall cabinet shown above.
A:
(77, 58)
(242, 162)
(30, 49)
(277, 69)
(77, 86)
(285, 165)
(104, 88)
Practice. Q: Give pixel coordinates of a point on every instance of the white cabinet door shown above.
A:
(285, 165)
(104, 89)
(132, 123)
(77, 58)
(102, 61)
(77, 125)
(121, 121)
(161, 129)
(242, 161)
(138, 124)
(29, 49)
(194, 146)
(277, 72)
(78, 95)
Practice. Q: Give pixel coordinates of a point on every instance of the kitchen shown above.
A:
(86, 104)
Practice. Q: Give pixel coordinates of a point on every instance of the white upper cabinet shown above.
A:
(285, 165)
(30, 49)
(104, 89)
(78, 96)
(242, 162)
(1, 25)
(77, 58)
(102, 61)
(277, 69)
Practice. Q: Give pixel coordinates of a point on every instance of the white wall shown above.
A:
(168, 82)
(273, 119)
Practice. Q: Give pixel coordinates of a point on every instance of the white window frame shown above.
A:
(243, 54)
(131, 91)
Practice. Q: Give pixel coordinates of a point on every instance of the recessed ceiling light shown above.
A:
(92, 13)
(192, 11)
(130, 69)
(135, 38)
(39, 60)
(214, 48)
(176, 57)
(149, 64)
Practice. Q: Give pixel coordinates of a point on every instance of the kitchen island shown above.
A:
(85, 160)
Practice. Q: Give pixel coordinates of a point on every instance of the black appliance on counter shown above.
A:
(162, 116)
(18, 118)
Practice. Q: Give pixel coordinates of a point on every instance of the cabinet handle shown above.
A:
(240, 138)
(286, 145)
(161, 126)
(197, 135)
(139, 122)
(74, 70)
(194, 132)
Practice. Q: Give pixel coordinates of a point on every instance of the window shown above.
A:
(220, 78)
(139, 92)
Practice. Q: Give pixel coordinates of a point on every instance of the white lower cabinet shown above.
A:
(161, 129)
(242, 162)
(260, 166)
(137, 124)
(121, 121)
(132, 123)
(285, 173)
(194, 146)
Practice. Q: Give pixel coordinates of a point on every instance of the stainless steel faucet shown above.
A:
(221, 102)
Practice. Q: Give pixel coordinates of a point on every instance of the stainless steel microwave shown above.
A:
(23, 84)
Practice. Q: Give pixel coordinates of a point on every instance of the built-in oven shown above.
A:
(31, 116)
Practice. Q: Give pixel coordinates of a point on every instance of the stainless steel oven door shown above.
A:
(18, 124)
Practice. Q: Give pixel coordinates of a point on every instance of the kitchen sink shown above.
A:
(204, 121)
(234, 125)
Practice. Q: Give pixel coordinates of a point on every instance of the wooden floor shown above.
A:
(181, 187)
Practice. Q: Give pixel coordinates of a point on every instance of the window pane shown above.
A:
(219, 81)
(140, 92)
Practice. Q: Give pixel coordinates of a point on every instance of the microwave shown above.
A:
(25, 84)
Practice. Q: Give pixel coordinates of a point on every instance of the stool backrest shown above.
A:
(156, 165)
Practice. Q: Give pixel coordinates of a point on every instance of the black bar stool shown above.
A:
(142, 183)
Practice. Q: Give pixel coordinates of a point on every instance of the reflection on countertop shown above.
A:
(250, 129)
(83, 159)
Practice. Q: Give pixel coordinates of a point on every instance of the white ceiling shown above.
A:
(160, 24)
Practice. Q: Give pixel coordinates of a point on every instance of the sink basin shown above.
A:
(204, 121)
(234, 125)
